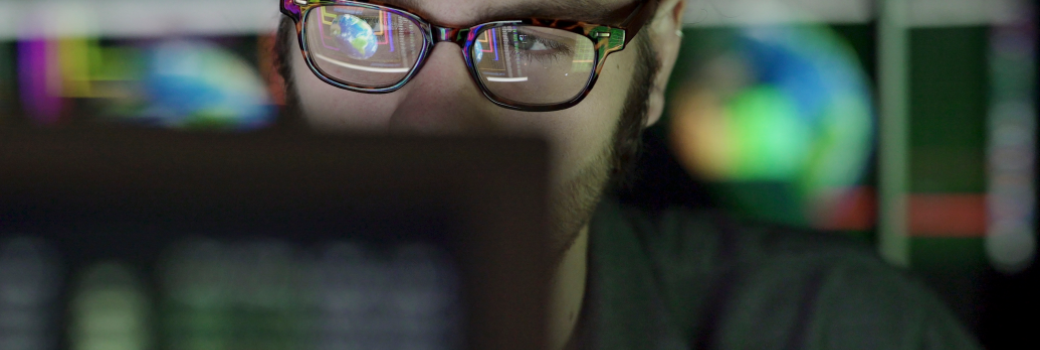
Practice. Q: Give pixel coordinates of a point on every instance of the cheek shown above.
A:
(327, 107)
(580, 135)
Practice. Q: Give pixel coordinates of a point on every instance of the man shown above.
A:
(589, 75)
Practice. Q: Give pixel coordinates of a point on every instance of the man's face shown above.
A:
(443, 99)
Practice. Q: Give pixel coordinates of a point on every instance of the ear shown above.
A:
(666, 39)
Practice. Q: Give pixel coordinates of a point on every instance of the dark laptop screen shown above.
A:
(194, 242)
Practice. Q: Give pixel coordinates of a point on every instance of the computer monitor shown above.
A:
(124, 239)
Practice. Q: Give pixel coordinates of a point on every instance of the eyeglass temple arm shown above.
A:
(291, 8)
(642, 15)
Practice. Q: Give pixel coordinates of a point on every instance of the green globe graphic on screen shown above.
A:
(779, 122)
(357, 37)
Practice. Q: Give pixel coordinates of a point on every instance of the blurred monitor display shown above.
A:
(113, 240)
(168, 82)
(156, 63)
(778, 121)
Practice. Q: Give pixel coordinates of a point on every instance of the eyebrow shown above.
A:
(575, 10)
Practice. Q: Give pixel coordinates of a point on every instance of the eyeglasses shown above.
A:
(532, 65)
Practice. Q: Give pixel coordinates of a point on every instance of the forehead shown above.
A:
(468, 12)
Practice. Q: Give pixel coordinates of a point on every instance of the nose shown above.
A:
(442, 98)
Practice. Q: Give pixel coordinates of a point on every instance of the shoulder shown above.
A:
(712, 241)
(724, 280)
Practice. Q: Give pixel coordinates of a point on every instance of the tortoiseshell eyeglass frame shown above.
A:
(607, 40)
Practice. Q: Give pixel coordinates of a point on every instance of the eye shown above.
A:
(539, 45)
(524, 41)
(535, 44)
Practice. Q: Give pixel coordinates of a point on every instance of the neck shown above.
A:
(568, 293)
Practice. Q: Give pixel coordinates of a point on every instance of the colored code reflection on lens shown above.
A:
(534, 65)
(362, 46)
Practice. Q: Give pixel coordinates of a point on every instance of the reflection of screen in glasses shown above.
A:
(374, 48)
(366, 40)
(506, 54)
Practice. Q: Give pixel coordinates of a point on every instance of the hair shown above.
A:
(628, 139)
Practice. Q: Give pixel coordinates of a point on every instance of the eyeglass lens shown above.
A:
(372, 48)
(362, 46)
(533, 65)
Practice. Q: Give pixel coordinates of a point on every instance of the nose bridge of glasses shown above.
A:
(454, 35)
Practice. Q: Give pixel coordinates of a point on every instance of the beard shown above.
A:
(574, 202)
